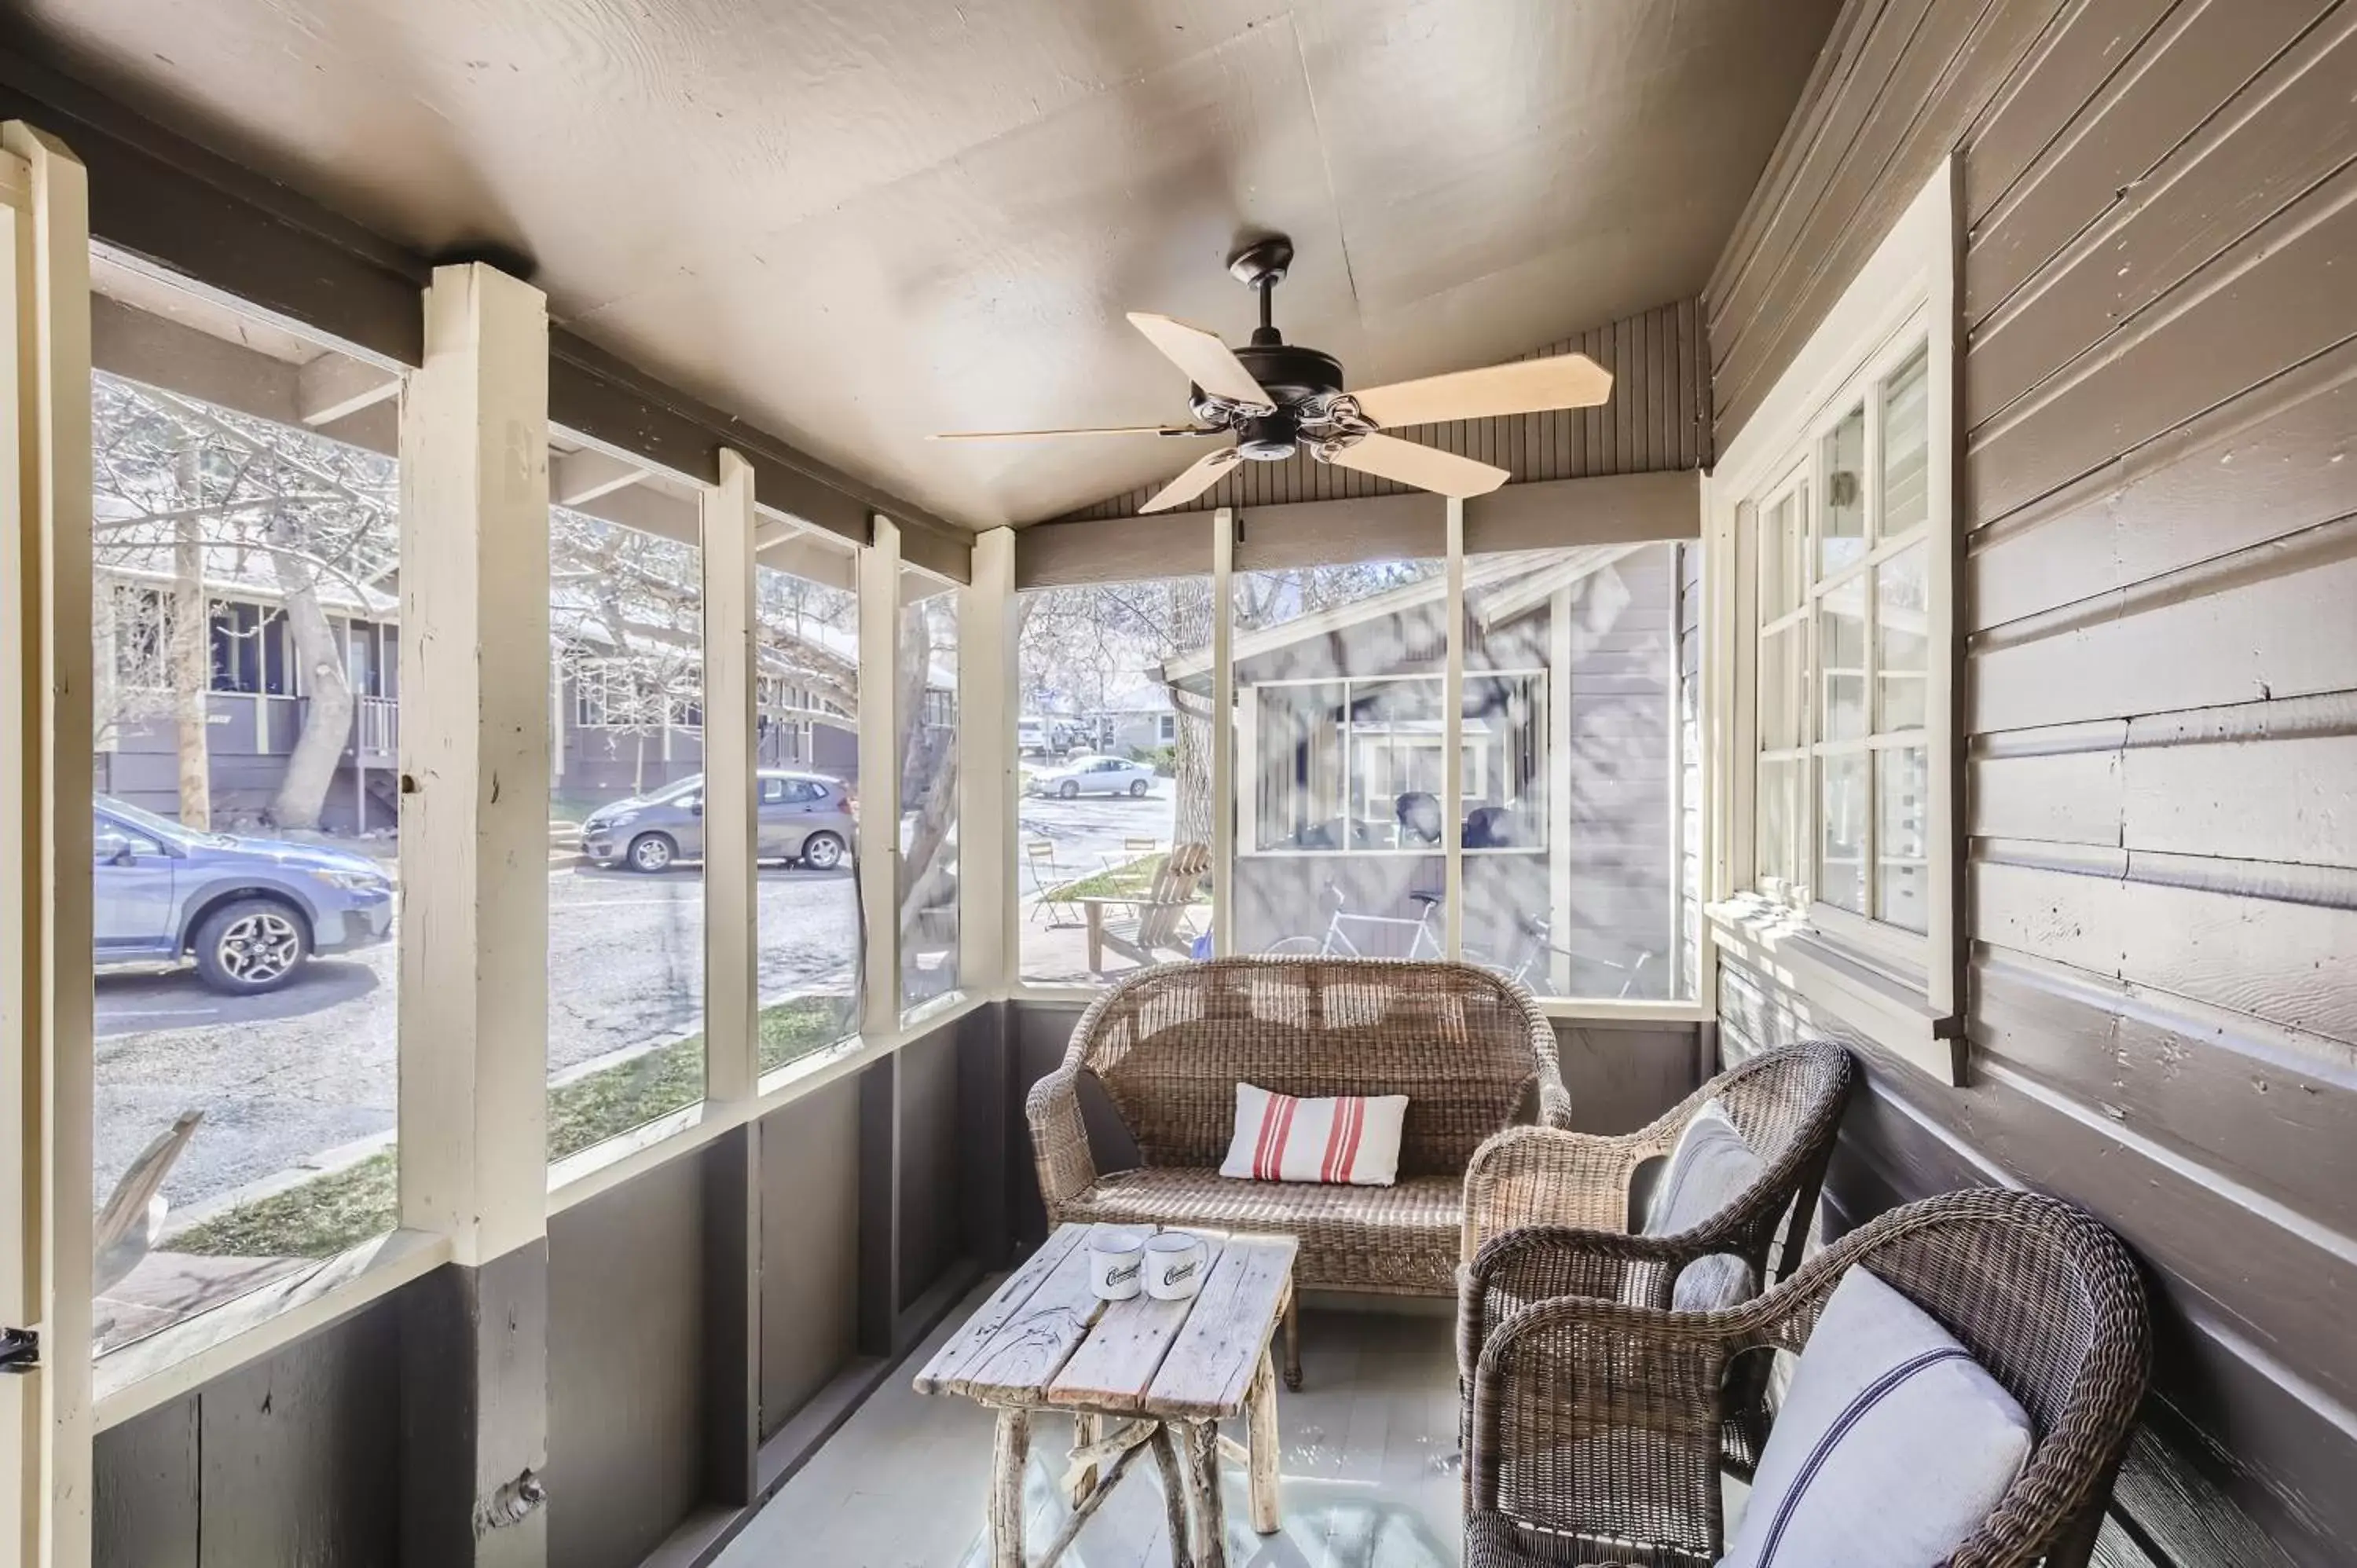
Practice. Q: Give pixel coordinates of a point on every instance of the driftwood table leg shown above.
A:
(1086, 1429)
(1174, 1495)
(1203, 1480)
(1293, 1342)
(1261, 1463)
(1009, 1450)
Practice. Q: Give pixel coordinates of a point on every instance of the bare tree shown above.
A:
(205, 500)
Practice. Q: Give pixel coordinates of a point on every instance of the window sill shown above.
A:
(1569, 1010)
(148, 1372)
(1891, 1010)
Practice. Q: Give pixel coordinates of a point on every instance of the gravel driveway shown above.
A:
(286, 1077)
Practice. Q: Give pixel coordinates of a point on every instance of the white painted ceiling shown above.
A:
(855, 221)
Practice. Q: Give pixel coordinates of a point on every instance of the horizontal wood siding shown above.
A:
(1657, 419)
(2159, 601)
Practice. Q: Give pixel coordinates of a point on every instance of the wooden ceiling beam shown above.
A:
(335, 386)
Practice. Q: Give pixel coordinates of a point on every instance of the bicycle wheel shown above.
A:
(1296, 947)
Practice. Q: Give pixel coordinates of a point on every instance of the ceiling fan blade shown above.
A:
(1042, 435)
(1520, 386)
(1208, 363)
(1426, 467)
(1201, 476)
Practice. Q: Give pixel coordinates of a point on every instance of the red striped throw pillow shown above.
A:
(1352, 1141)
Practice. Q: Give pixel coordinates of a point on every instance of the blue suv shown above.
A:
(249, 910)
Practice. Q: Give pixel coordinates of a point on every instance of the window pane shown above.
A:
(626, 796)
(1841, 809)
(1783, 687)
(243, 879)
(1903, 639)
(1841, 658)
(1571, 749)
(929, 787)
(1114, 739)
(1906, 447)
(1841, 521)
(1778, 819)
(1338, 730)
(1779, 557)
(1903, 793)
(806, 747)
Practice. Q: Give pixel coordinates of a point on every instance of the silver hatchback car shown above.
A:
(804, 817)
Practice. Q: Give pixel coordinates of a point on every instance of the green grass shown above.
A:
(338, 1211)
(1133, 880)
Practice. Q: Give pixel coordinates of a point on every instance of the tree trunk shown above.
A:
(1191, 627)
(191, 662)
(327, 714)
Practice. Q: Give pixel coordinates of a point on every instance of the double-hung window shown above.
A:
(1834, 501)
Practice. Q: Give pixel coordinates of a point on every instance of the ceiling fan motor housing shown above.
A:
(1297, 379)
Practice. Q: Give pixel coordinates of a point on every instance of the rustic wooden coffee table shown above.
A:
(1136, 1374)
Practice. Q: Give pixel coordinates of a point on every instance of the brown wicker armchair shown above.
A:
(1546, 1213)
(1469, 1047)
(1595, 1426)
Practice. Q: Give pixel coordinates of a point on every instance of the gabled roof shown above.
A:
(1498, 589)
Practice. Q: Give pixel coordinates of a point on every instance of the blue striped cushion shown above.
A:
(1892, 1445)
(1710, 1167)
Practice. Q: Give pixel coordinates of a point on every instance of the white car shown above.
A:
(1087, 775)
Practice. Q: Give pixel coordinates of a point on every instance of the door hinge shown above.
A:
(20, 1349)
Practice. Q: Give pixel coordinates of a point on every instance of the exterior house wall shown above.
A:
(2160, 685)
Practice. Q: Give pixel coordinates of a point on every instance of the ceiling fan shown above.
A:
(1280, 397)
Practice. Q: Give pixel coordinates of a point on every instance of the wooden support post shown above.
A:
(731, 1003)
(988, 684)
(1553, 970)
(474, 913)
(1223, 735)
(1452, 744)
(879, 779)
(45, 787)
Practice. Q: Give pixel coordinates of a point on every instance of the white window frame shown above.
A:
(1899, 988)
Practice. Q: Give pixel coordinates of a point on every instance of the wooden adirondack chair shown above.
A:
(1155, 922)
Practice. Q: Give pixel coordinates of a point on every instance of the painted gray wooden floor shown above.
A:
(1369, 1477)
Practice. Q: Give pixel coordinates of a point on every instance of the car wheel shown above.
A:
(1137, 789)
(822, 851)
(250, 945)
(651, 853)
(1070, 790)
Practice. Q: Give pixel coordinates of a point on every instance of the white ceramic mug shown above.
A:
(1174, 1265)
(1116, 1264)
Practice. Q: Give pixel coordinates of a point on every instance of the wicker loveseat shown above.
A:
(1469, 1049)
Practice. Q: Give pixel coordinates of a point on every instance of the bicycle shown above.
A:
(1424, 943)
(1537, 950)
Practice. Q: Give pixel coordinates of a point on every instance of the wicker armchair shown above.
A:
(1546, 1211)
(1469, 1047)
(1595, 1426)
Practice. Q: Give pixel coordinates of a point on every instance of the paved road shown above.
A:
(1088, 830)
(305, 1070)
(286, 1077)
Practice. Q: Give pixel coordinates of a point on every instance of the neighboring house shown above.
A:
(256, 701)
(1135, 721)
(616, 729)
(1569, 765)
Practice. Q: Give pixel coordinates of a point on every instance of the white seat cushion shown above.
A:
(1352, 1139)
(1710, 1166)
(1891, 1447)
